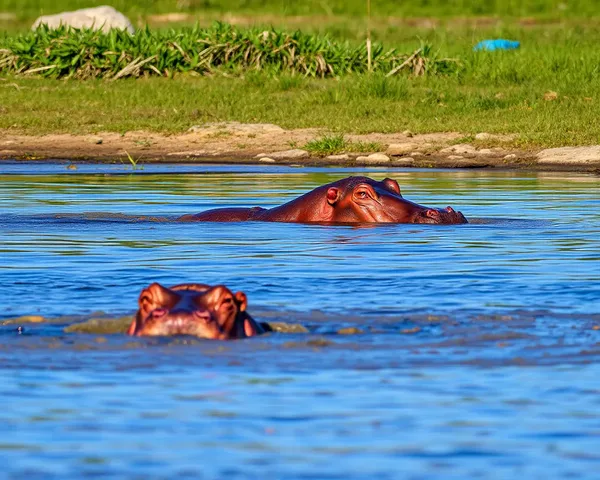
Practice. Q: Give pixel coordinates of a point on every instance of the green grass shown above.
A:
(432, 104)
(85, 53)
(328, 145)
(338, 143)
(437, 8)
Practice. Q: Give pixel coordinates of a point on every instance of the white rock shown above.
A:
(399, 149)
(460, 149)
(455, 157)
(407, 133)
(100, 18)
(286, 154)
(510, 156)
(570, 155)
(373, 158)
(378, 157)
(267, 160)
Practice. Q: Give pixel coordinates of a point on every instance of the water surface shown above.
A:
(476, 352)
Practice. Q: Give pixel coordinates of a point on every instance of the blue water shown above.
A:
(477, 354)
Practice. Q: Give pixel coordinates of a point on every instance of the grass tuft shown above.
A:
(328, 145)
(338, 143)
(74, 53)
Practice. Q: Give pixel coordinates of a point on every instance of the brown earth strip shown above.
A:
(265, 143)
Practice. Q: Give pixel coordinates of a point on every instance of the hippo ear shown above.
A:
(333, 195)
(392, 185)
(242, 300)
(156, 296)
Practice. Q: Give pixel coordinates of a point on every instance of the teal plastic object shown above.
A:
(497, 44)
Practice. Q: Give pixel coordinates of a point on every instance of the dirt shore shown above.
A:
(269, 144)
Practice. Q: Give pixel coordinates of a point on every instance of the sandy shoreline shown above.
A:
(269, 144)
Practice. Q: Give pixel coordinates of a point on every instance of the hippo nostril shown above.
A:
(159, 312)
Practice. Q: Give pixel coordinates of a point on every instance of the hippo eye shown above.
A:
(362, 194)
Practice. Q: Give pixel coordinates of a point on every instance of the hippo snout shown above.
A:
(441, 216)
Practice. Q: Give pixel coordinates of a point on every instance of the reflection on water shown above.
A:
(472, 348)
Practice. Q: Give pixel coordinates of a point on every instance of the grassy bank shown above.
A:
(353, 104)
(547, 92)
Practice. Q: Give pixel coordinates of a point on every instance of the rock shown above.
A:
(550, 95)
(373, 158)
(100, 18)
(483, 136)
(570, 155)
(378, 157)
(237, 128)
(266, 160)
(407, 133)
(337, 158)
(399, 149)
(403, 162)
(455, 157)
(510, 156)
(460, 149)
(286, 154)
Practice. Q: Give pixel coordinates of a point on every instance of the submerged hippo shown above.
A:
(351, 200)
(194, 309)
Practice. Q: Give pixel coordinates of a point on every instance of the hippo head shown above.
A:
(362, 199)
(192, 309)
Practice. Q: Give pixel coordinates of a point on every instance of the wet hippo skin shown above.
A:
(348, 201)
(205, 311)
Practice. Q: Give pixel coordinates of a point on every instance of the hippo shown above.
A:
(351, 200)
(213, 312)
